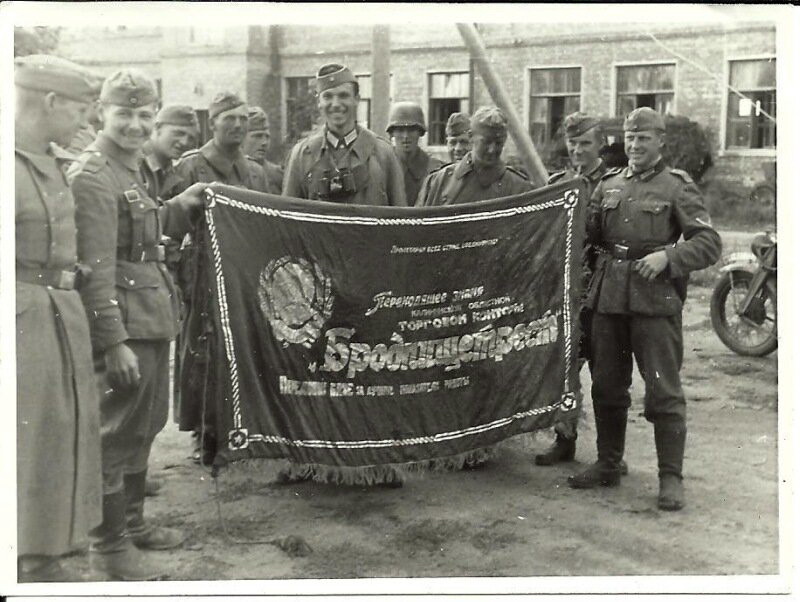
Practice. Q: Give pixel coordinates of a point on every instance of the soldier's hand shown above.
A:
(652, 265)
(194, 197)
(122, 366)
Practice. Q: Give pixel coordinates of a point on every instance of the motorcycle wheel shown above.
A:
(745, 336)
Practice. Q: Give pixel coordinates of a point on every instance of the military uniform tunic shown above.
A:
(130, 297)
(274, 173)
(631, 215)
(462, 183)
(376, 171)
(415, 169)
(58, 432)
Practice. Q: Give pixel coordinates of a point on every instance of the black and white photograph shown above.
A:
(397, 299)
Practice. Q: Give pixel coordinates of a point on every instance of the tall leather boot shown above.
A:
(112, 555)
(670, 436)
(144, 535)
(562, 450)
(611, 424)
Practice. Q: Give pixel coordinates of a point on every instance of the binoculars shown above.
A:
(337, 186)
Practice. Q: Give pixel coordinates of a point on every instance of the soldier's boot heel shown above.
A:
(124, 563)
(599, 474)
(562, 450)
(670, 492)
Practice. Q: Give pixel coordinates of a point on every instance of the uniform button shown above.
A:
(626, 220)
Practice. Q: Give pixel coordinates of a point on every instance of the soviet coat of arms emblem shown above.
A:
(295, 298)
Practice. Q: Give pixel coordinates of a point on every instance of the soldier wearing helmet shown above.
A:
(406, 126)
(481, 174)
(343, 162)
(651, 229)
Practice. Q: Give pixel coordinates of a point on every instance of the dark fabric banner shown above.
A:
(358, 336)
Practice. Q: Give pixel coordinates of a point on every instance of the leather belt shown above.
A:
(153, 253)
(631, 252)
(61, 279)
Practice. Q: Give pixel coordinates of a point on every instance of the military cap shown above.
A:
(128, 88)
(224, 101)
(457, 124)
(644, 118)
(489, 117)
(576, 124)
(257, 119)
(182, 115)
(47, 73)
(332, 75)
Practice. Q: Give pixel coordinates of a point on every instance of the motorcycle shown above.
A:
(744, 304)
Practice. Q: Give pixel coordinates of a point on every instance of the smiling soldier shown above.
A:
(456, 133)
(344, 162)
(132, 308)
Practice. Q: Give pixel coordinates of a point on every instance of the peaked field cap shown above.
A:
(489, 117)
(332, 75)
(48, 73)
(457, 124)
(224, 101)
(257, 119)
(129, 88)
(576, 124)
(644, 118)
(182, 115)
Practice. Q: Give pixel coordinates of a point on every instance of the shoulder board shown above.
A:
(190, 153)
(611, 172)
(556, 177)
(382, 139)
(90, 161)
(442, 166)
(682, 175)
(517, 172)
(62, 154)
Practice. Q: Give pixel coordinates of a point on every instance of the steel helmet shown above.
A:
(406, 114)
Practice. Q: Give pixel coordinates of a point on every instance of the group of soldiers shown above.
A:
(109, 271)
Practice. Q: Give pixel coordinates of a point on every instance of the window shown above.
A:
(301, 106)
(448, 93)
(207, 36)
(747, 125)
(555, 93)
(205, 130)
(646, 86)
(365, 93)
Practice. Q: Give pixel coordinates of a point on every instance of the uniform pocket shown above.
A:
(653, 297)
(145, 301)
(655, 219)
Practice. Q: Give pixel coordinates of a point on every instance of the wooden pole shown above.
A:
(524, 144)
(381, 68)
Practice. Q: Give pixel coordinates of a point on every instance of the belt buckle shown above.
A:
(66, 280)
(621, 251)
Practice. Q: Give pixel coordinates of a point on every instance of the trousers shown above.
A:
(130, 418)
(656, 343)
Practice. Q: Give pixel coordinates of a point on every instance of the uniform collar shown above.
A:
(648, 173)
(154, 164)
(485, 176)
(362, 146)
(417, 163)
(43, 163)
(111, 149)
(597, 171)
(337, 142)
(222, 163)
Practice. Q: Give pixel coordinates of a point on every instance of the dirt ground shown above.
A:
(511, 518)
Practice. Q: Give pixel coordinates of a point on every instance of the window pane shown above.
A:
(748, 75)
(572, 104)
(555, 81)
(364, 86)
(664, 103)
(439, 111)
(362, 114)
(540, 81)
(645, 78)
(625, 104)
(449, 85)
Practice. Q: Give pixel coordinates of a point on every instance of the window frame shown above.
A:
(723, 151)
(427, 102)
(612, 109)
(285, 99)
(526, 91)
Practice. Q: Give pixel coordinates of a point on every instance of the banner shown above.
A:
(357, 335)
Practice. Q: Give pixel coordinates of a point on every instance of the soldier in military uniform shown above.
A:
(584, 139)
(133, 313)
(88, 131)
(344, 162)
(482, 174)
(176, 132)
(456, 132)
(221, 160)
(406, 125)
(636, 216)
(256, 144)
(58, 432)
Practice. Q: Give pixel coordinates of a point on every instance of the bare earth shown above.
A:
(512, 518)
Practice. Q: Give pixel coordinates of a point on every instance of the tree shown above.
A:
(35, 40)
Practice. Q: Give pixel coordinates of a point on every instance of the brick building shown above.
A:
(549, 70)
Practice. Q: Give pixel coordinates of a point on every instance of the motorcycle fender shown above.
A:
(740, 262)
